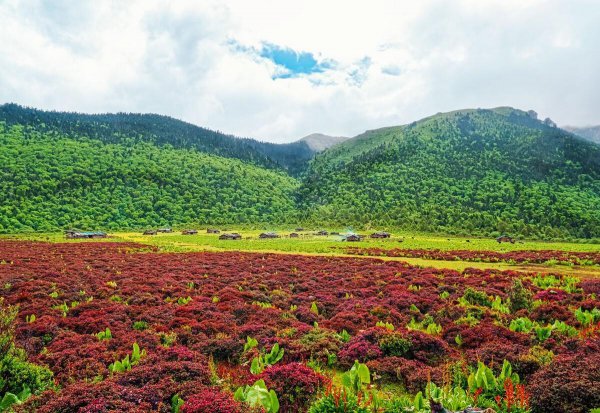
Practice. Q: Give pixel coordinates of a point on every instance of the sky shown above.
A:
(279, 70)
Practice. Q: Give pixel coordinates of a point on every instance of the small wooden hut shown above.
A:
(380, 234)
(505, 238)
(189, 232)
(232, 236)
(352, 238)
(267, 235)
(72, 234)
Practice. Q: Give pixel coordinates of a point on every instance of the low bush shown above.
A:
(295, 385)
(569, 384)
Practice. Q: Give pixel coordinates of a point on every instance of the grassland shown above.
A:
(311, 244)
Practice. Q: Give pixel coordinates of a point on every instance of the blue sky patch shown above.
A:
(295, 63)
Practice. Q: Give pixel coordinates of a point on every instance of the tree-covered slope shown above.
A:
(49, 181)
(161, 130)
(466, 171)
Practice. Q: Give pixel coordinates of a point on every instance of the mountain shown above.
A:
(470, 171)
(163, 131)
(318, 142)
(591, 133)
(50, 180)
(473, 171)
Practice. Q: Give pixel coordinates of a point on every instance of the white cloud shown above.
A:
(395, 61)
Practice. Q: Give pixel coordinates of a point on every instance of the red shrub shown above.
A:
(569, 384)
(295, 384)
(211, 401)
(358, 349)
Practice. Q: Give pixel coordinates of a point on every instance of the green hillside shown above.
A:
(163, 131)
(469, 171)
(49, 181)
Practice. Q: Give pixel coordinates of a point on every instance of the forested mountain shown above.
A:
(591, 133)
(160, 130)
(470, 171)
(49, 181)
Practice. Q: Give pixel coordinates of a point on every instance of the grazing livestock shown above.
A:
(294, 235)
(165, 230)
(322, 232)
(212, 231)
(150, 232)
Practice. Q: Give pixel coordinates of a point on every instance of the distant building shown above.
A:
(266, 235)
(189, 232)
(380, 234)
(72, 234)
(150, 232)
(231, 236)
(505, 238)
(352, 238)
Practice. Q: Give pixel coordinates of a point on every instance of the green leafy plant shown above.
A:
(451, 397)
(104, 335)
(522, 325)
(387, 326)
(542, 333)
(501, 307)
(345, 336)
(427, 325)
(484, 380)
(140, 325)
(519, 296)
(11, 399)
(259, 363)
(128, 361)
(250, 343)
(586, 318)
(176, 403)
(563, 328)
(18, 377)
(258, 395)
(356, 378)
(314, 309)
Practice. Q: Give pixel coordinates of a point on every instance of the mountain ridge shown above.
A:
(591, 133)
(472, 171)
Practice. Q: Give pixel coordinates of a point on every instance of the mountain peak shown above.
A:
(591, 133)
(319, 142)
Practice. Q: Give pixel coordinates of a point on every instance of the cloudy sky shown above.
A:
(278, 70)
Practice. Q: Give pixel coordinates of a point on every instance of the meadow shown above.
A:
(190, 323)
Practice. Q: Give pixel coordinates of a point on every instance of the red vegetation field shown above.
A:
(194, 347)
(519, 257)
